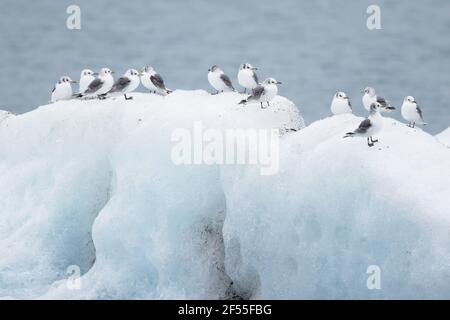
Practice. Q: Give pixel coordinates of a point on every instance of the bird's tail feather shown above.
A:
(243, 101)
(77, 95)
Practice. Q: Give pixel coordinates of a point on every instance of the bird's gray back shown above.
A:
(94, 85)
(120, 84)
(364, 126)
(257, 93)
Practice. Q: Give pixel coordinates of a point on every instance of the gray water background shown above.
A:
(313, 47)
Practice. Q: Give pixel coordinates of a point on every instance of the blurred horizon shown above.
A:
(314, 48)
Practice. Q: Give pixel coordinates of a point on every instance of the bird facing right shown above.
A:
(411, 112)
(264, 92)
(126, 84)
(370, 126)
(247, 77)
(341, 103)
(86, 77)
(62, 89)
(101, 85)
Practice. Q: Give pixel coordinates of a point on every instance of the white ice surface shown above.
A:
(444, 137)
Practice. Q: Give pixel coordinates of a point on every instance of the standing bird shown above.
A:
(62, 89)
(86, 77)
(370, 96)
(341, 104)
(100, 85)
(247, 77)
(264, 92)
(219, 80)
(370, 126)
(127, 83)
(153, 81)
(411, 112)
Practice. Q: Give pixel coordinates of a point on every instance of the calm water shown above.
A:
(313, 47)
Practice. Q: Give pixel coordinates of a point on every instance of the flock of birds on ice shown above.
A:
(101, 85)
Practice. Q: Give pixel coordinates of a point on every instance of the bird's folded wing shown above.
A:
(419, 111)
(255, 77)
(258, 92)
(94, 85)
(158, 81)
(364, 126)
(226, 80)
(120, 84)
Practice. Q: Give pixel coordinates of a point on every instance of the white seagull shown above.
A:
(219, 80)
(101, 85)
(86, 77)
(153, 81)
(247, 77)
(411, 112)
(127, 83)
(370, 96)
(264, 92)
(340, 103)
(370, 126)
(62, 89)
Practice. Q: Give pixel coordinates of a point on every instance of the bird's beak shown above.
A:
(278, 82)
(73, 81)
(112, 72)
(95, 74)
(414, 101)
(141, 74)
(209, 70)
(254, 68)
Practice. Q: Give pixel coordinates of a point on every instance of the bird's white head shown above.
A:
(215, 68)
(247, 66)
(410, 99)
(271, 81)
(87, 72)
(132, 73)
(375, 107)
(148, 69)
(370, 91)
(66, 79)
(341, 95)
(105, 71)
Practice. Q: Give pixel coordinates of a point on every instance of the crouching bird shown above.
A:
(264, 92)
(370, 126)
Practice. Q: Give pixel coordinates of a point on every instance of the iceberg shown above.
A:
(94, 206)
